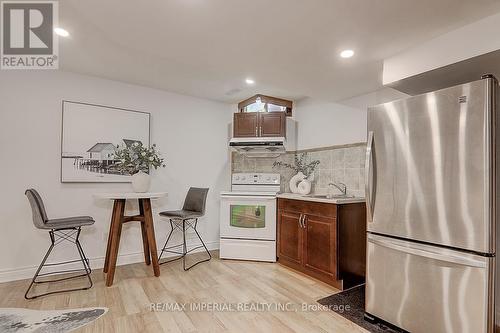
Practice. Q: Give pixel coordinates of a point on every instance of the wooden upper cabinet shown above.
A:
(259, 124)
(272, 124)
(261, 116)
(246, 124)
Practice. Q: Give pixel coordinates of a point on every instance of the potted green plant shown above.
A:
(136, 160)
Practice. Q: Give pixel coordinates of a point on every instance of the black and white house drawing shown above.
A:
(102, 151)
(100, 158)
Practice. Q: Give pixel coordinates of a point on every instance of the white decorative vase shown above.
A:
(141, 182)
(295, 180)
(304, 187)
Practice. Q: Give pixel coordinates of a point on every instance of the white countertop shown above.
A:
(337, 201)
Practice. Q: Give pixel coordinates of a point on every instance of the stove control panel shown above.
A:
(255, 178)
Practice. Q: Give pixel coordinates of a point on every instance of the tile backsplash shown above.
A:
(344, 164)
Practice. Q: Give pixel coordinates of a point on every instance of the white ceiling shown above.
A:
(207, 48)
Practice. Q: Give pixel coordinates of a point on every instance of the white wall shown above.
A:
(191, 133)
(381, 96)
(466, 42)
(323, 124)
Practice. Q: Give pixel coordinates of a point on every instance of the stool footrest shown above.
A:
(181, 225)
(85, 271)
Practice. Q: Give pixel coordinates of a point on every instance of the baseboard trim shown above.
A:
(7, 275)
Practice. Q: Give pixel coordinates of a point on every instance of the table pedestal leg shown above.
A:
(150, 231)
(145, 242)
(110, 238)
(115, 233)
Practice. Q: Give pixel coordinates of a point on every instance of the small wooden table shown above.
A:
(118, 218)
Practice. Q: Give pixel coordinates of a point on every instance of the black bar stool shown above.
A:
(187, 217)
(65, 229)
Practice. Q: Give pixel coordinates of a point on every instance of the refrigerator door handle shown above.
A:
(368, 177)
(419, 251)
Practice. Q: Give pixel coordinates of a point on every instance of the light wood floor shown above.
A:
(217, 281)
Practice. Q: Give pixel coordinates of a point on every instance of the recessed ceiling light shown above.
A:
(61, 32)
(249, 81)
(347, 53)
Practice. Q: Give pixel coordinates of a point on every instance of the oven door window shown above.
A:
(248, 216)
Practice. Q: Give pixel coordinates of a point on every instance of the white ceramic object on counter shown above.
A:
(304, 187)
(141, 182)
(295, 180)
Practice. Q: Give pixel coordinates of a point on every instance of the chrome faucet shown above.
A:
(341, 187)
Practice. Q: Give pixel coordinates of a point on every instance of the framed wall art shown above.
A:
(90, 135)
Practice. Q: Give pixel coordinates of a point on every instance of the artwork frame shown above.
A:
(88, 159)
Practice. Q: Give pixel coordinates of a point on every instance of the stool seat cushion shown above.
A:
(181, 214)
(69, 222)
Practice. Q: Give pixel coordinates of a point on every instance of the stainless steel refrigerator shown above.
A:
(431, 189)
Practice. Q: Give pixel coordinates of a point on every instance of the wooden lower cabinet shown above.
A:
(323, 240)
(290, 237)
(319, 248)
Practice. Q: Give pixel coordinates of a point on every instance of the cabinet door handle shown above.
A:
(304, 221)
(256, 133)
(300, 220)
(260, 131)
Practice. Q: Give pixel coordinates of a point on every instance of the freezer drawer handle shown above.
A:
(431, 255)
(368, 180)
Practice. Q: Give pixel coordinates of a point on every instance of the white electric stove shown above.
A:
(248, 217)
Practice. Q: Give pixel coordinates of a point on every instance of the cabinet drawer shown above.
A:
(308, 207)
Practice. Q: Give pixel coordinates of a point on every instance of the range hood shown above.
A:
(259, 145)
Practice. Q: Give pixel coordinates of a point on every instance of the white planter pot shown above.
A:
(141, 182)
